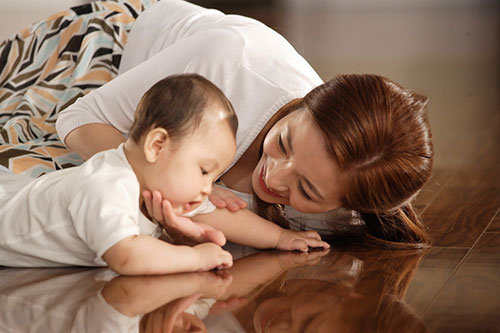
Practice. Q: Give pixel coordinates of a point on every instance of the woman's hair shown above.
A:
(177, 104)
(379, 135)
(360, 291)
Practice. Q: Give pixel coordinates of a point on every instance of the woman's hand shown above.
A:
(221, 197)
(300, 240)
(180, 228)
(288, 260)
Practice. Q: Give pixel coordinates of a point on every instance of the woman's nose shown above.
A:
(278, 175)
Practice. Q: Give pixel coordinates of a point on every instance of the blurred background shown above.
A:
(446, 49)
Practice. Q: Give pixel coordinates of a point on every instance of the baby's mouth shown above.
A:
(188, 207)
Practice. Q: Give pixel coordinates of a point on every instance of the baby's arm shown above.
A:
(145, 255)
(246, 228)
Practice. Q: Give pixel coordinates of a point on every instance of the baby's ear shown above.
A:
(155, 141)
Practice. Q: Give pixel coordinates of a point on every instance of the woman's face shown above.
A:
(305, 308)
(295, 168)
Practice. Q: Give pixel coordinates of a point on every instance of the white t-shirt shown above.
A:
(257, 69)
(59, 300)
(71, 216)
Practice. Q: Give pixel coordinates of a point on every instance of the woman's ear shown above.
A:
(155, 142)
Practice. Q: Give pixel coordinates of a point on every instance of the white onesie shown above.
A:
(72, 216)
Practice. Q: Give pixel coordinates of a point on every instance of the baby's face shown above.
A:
(188, 167)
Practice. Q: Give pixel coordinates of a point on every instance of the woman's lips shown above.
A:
(264, 186)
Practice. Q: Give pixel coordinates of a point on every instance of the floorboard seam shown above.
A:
(459, 265)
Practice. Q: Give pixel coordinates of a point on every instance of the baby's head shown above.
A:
(185, 129)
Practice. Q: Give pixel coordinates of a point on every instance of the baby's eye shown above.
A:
(203, 171)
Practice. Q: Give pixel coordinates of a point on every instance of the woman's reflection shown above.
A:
(345, 292)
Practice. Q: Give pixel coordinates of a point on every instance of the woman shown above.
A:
(371, 139)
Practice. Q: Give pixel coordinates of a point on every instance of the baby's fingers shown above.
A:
(226, 260)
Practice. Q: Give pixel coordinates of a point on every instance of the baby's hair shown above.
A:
(177, 104)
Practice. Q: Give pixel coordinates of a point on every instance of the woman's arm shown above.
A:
(115, 102)
(92, 138)
(146, 255)
(246, 228)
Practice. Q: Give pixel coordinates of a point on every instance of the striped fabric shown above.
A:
(46, 67)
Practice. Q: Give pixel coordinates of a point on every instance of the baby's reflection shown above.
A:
(268, 291)
(97, 300)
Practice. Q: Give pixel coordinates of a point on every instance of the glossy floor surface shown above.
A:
(449, 51)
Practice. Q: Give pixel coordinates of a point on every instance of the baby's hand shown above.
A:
(181, 228)
(221, 197)
(214, 284)
(300, 240)
(212, 256)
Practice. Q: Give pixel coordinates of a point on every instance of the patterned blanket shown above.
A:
(46, 67)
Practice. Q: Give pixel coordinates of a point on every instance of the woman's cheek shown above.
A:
(269, 146)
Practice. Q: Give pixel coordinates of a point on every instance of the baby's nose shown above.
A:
(207, 188)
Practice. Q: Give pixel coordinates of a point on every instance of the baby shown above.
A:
(182, 139)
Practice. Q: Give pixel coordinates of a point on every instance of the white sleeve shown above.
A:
(96, 315)
(115, 102)
(104, 214)
(206, 207)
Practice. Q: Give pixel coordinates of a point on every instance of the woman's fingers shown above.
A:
(312, 242)
(300, 244)
(168, 211)
(216, 199)
(235, 204)
(312, 234)
(148, 201)
(215, 236)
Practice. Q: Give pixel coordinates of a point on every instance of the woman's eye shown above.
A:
(304, 193)
(281, 145)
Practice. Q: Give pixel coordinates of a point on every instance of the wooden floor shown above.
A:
(448, 50)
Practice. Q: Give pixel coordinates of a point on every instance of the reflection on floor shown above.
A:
(448, 50)
(265, 291)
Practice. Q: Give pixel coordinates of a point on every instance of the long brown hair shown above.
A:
(379, 135)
